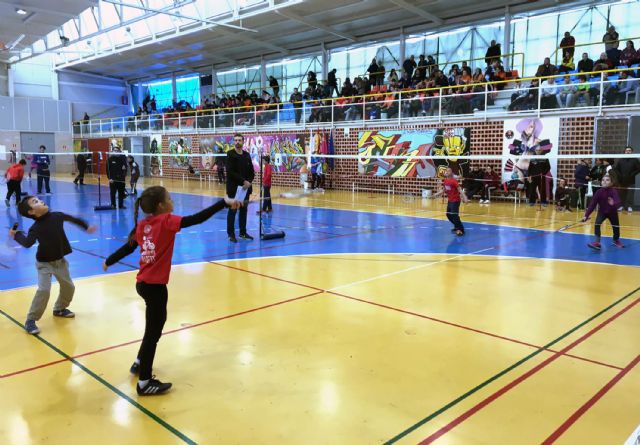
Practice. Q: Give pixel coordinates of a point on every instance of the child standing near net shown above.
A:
(156, 236)
(607, 200)
(135, 174)
(267, 173)
(14, 176)
(53, 246)
(455, 194)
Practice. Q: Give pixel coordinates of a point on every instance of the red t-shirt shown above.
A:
(155, 236)
(451, 189)
(266, 177)
(15, 172)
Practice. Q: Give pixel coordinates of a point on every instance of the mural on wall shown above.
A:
(179, 148)
(209, 147)
(155, 162)
(522, 139)
(286, 150)
(414, 143)
(116, 144)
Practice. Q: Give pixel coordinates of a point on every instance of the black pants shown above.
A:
(317, 180)
(615, 224)
(155, 298)
(485, 192)
(582, 197)
(134, 182)
(13, 187)
(221, 176)
(266, 198)
(298, 113)
(231, 215)
(43, 177)
(538, 184)
(473, 189)
(627, 195)
(117, 186)
(453, 215)
(80, 176)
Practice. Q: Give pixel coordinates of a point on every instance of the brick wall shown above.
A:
(611, 134)
(576, 137)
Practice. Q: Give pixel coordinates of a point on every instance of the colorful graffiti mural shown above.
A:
(286, 150)
(179, 147)
(413, 144)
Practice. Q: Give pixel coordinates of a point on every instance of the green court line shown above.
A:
(144, 410)
(472, 391)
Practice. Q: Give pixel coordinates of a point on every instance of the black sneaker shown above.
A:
(135, 368)
(153, 388)
(246, 236)
(233, 239)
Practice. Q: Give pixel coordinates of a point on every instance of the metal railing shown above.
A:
(479, 100)
(559, 49)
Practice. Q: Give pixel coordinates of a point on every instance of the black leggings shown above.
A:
(155, 297)
(14, 187)
(453, 215)
(615, 224)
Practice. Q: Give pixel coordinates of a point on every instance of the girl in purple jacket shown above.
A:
(608, 201)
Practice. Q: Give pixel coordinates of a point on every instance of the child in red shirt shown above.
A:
(14, 177)
(266, 185)
(156, 236)
(454, 195)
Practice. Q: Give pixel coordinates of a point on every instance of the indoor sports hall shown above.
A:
(346, 222)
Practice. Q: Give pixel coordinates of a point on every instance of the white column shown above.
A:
(214, 80)
(402, 49)
(55, 87)
(174, 91)
(506, 41)
(325, 62)
(10, 80)
(263, 75)
(130, 97)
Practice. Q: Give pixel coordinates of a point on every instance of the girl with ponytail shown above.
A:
(155, 235)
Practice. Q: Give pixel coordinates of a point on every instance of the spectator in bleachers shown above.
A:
(454, 74)
(526, 99)
(629, 55)
(373, 71)
(583, 91)
(546, 69)
(611, 44)
(296, 100)
(152, 104)
(626, 85)
(405, 82)
(393, 76)
(432, 65)
(409, 65)
(567, 64)
(312, 79)
(273, 83)
(333, 82)
(566, 95)
(478, 77)
(493, 53)
(550, 94)
(491, 180)
(347, 88)
(499, 75)
(586, 64)
(568, 44)
(603, 63)
(422, 71)
(440, 81)
(473, 184)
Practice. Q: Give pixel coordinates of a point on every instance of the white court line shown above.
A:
(390, 274)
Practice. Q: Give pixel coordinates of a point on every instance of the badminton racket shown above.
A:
(569, 226)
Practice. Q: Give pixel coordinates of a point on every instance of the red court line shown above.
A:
(108, 348)
(265, 276)
(473, 410)
(592, 401)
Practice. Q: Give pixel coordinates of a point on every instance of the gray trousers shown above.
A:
(60, 270)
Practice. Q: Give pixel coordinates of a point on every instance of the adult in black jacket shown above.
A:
(333, 82)
(493, 53)
(409, 65)
(117, 173)
(239, 174)
(626, 171)
(81, 163)
(538, 169)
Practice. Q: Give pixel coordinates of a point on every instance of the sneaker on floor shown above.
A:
(618, 243)
(135, 368)
(459, 232)
(620, 209)
(595, 245)
(486, 201)
(233, 239)
(454, 230)
(64, 313)
(153, 388)
(246, 236)
(630, 209)
(31, 328)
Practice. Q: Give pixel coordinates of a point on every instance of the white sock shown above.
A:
(142, 383)
(137, 361)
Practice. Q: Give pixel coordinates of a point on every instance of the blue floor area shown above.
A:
(308, 231)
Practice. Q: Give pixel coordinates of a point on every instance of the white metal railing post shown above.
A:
(255, 118)
(333, 104)
(539, 97)
(440, 105)
(400, 107)
(163, 124)
(180, 124)
(486, 100)
(304, 114)
(196, 124)
(149, 123)
(601, 94)
(364, 109)
(100, 126)
(233, 117)
(213, 116)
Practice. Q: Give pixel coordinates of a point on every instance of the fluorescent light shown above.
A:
(21, 11)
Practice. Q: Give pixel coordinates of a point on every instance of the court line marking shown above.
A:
(504, 389)
(589, 403)
(108, 385)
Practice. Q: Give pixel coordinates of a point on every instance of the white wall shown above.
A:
(34, 77)
(97, 95)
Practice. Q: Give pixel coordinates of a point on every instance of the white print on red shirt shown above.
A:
(148, 254)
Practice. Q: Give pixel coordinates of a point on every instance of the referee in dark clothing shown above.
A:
(239, 174)
(117, 173)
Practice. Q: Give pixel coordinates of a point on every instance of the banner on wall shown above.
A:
(155, 146)
(522, 138)
(414, 143)
(282, 148)
(209, 147)
(116, 143)
(179, 147)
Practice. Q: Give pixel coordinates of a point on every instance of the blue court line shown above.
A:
(309, 230)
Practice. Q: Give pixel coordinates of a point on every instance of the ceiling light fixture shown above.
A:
(21, 11)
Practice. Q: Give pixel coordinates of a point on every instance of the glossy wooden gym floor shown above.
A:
(369, 323)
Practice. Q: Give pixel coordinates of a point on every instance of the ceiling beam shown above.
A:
(51, 11)
(317, 25)
(421, 12)
(255, 41)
